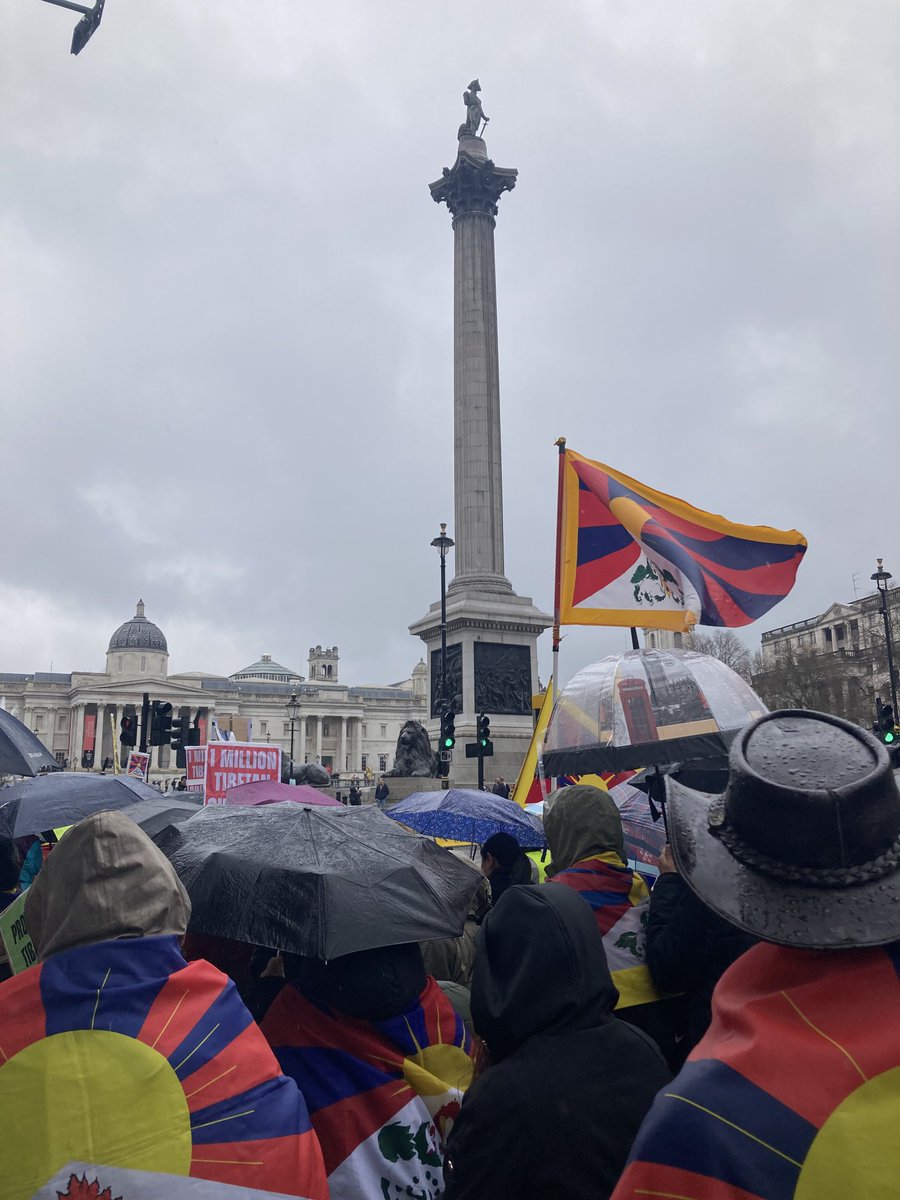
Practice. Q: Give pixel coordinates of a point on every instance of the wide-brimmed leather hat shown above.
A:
(803, 847)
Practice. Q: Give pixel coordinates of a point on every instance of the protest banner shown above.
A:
(138, 765)
(195, 768)
(16, 941)
(229, 764)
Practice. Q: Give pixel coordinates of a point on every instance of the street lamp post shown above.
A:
(881, 578)
(442, 544)
(293, 711)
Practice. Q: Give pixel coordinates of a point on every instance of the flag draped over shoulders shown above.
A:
(124, 1054)
(620, 902)
(630, 555)
(382, 1095)
(794, 1092)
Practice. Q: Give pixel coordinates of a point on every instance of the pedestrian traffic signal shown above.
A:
(128, 727)
(160, 723)
(484, 730)
(448, 729)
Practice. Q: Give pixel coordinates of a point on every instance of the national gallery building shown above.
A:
(78, 716)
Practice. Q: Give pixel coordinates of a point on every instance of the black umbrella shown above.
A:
(64, 798)
(155, 813)
(316, 881)
(21, 751)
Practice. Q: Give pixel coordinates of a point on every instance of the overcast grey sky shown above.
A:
(226, 302)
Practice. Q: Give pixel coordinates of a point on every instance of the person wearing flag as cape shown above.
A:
(115, 1050)
(383, 1060)
(794, 1092)
(587, 849)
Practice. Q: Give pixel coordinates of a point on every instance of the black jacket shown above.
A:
(689, 947)
(556, 1113)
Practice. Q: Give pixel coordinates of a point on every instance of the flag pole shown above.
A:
(560, 443)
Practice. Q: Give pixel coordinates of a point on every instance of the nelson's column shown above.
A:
(491, 632)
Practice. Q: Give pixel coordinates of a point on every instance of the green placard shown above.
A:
(19, 946)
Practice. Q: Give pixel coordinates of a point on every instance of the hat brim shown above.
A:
(789, 914)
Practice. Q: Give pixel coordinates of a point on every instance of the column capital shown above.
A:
(473, 184)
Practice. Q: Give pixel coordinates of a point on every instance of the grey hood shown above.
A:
(580, 821)
(104, 880)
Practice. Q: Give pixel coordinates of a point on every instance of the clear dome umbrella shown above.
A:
(647, 708)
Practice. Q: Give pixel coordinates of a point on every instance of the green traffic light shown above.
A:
(449, 743)
(888, 737)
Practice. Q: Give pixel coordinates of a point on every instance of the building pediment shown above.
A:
(838, 611)
(127, 689)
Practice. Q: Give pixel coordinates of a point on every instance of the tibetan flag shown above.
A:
(794, 1092)
(124, 1054)
(629, 555)
(383, 1095)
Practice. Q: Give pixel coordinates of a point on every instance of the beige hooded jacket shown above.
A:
(105, 880)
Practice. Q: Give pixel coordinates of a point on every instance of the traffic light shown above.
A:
(86, 27)
(448, 730)
(885, 728)
(160, 723)
(484, 731)
(179, 734)
(128, 727)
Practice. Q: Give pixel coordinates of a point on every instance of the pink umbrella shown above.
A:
(267, 791)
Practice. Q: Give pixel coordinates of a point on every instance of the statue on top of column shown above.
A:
(474, 112)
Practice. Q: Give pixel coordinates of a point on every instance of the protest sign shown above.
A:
(195, 768)
(18, 945)
(138, 765)
(229, 764)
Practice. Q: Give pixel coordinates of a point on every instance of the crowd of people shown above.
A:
(723, 1035)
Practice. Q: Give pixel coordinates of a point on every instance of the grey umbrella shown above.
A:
(316, 881)
(64, 798)
(21, 751)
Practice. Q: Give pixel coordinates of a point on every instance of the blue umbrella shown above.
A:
(464, 815)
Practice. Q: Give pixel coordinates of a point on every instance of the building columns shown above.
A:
(302, 751)
(318, 739)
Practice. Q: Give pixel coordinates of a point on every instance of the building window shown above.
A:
(286, 731)
(678, 641)
(61, 757)
(346, 762)
(364, 762)
(38, 722)
(364, 731)
(326, 729)
(382, 762)
(384, 731)
(263, 728)
(63, 718)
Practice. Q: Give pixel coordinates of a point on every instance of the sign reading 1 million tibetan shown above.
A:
(229, 764)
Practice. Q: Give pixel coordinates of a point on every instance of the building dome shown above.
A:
(267, 670)
(138, 634)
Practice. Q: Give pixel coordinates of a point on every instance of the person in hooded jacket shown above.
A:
(587, 846)
(116, 1050)
(556, 1111)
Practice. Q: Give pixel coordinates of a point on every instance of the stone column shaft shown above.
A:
(478, 480)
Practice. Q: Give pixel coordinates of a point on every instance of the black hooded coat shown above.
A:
(557, 1111)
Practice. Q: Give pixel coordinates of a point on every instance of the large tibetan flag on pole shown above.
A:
(629, 555)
